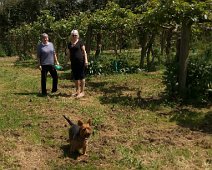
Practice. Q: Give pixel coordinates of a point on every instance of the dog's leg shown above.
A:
(84, 149)
(71, 147)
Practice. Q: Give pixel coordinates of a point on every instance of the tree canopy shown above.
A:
(170, 25)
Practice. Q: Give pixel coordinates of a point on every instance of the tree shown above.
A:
(181, 13)
(189, 13)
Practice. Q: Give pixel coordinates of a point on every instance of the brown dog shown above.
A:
(78, 135)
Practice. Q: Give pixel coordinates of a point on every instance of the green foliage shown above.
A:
(113, 17)
(2, 52)
(95, 68)
(120, 64)
(170, 79)
(199, 80)
(117, 23)
(25, 57)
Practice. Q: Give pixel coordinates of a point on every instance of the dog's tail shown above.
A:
(68, 120)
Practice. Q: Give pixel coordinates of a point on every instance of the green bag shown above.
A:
(58, 67)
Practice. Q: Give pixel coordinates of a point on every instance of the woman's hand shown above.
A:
(39, 67)
(86, 64)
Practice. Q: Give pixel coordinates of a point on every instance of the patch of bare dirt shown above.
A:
(30, 157)
(22, 154)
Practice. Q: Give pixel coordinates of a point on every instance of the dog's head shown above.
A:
(85, 129)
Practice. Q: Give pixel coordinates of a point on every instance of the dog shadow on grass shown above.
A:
(66, 152)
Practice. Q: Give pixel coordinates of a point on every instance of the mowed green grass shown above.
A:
(134, 125)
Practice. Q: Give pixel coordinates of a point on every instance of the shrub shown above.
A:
(2, 51)
(118, 64)
(170, 79)
(25, 57)
(199, 79)
(95, 68)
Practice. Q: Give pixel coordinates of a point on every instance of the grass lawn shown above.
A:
(134, 125)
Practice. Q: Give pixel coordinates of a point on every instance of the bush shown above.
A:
(25, 57)
(118, 64)
(2, 51)
(199, 80)
(95, 68)
(170, 79)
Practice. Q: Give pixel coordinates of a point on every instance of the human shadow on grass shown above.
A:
(59, 95)
(67, 86)
(30, 94)
(51, 95)
(193, 120)
(67, 153)
(64, 75)
(26, 93)
(126, 96)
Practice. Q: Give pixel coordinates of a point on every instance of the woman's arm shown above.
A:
(55, 59)
(85, 55)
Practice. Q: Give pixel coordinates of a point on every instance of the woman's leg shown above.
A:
(77, 86)
(43, 80)
(82, 87)
(54, 75)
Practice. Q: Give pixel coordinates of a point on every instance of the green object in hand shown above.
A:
(58, 67)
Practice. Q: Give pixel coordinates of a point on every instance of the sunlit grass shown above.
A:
(131, 129)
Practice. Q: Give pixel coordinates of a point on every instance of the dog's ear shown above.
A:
(80, 123)
(89, 122)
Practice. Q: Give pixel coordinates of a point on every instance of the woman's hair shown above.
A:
(74, 32)
(44, 35)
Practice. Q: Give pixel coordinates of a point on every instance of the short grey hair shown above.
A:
(44, 35)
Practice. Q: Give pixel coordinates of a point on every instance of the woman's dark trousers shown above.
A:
(53, 72)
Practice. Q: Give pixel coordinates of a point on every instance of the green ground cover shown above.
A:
(134, 125)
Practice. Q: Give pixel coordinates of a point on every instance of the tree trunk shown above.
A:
(98, 44)
(88, 40)
(162, 41)
(178, 49)
(143, 42)
(153, 56)
(149, 47)
(168, 43)
(183, 57)
(115, 45)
